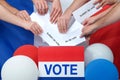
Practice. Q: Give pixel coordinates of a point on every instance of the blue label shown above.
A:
(53, 68)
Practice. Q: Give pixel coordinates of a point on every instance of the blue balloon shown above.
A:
(101, 69)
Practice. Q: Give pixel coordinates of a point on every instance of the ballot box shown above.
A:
(61, 63)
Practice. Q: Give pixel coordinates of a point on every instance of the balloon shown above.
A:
(19, 68)
(28, 50)
(97, 51)
(101, 69)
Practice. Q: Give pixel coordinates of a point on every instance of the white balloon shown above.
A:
(19, 68)
(98, 51)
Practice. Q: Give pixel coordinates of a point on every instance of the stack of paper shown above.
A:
(51, 34)
(53, 37)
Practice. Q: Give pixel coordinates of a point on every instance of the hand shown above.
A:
(63, 22)
(23, 15)
(41, 6)
(34, 28)
(88, 30)
(89, 21)
(104, 2)
(56, 11)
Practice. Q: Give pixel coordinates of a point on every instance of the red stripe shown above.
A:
(70, 53)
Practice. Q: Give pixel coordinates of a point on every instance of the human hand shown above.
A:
(88, 30)
(41, 6)
(104, 2)
(23, 14)
(33, 27)
(63, 22)
(56, 11)
(89, 21)
(90, 26)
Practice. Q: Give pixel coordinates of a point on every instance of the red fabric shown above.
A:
(109, 35)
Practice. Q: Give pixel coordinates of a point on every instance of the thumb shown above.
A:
(96, 2)
(82, 35)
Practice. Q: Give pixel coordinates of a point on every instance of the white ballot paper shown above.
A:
(85, 11)
(51, 34)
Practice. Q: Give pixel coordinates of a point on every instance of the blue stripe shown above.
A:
(62, 78)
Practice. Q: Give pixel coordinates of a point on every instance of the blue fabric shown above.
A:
(11, 36)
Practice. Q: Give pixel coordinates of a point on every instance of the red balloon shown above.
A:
(29, 51)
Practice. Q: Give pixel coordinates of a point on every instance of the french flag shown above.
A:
(61, 63)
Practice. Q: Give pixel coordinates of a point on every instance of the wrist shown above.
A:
(68, 12)
(99, 24)
(15, 11)
(25, 24)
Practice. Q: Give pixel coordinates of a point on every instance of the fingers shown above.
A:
(24, 15)
(35, 28)
(36, 5)
(82, 35)
(41, 6)
(88, 30)
(62, 25)
(64, 28)
(52, 15)
(85, 33)
(45, 7)
(85, 22)
(100, 4)
(55, 13)
(104, 2)
(88, 21)
(96, 2)
(59, 26)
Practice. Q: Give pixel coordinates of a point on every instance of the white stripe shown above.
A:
(79, 66)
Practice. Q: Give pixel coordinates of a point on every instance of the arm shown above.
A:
(9, 7)
(22, 14)
(63, 21)
(75, 5)
(109, 18)
(11, 18)
(93, 19)
(105, 2)
(56, 11)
